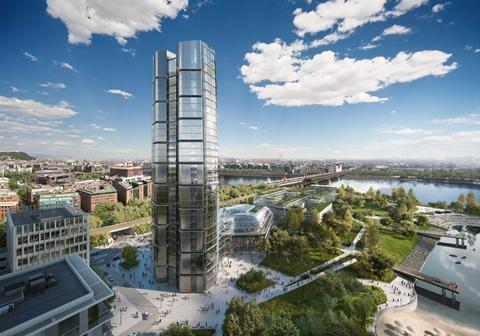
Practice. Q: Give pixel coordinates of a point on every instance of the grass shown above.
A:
(347, 238)
(397, 244)
(293, 266)
(370, 210)
(254, 281)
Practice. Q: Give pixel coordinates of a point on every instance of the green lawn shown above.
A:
(397, 244)
(293, 266)
(348, 237)
(369, 210)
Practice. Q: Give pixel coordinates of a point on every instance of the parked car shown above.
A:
(145, 316)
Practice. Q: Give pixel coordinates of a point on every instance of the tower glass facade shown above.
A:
(185, 167)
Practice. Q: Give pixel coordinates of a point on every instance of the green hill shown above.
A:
(16, 155)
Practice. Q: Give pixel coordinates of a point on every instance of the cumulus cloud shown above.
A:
(346, 15)
(30, 56)
(393, 30)
(27, 107)
(88, 141)
(109, 129)
(404, 6)
(121, 19)
(369, 46)
(281, 77)
(439, 7)
(124, 94)
(56, 86)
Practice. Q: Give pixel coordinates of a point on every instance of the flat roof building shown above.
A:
(130, 188)
(61, 297)
(90, 196)
(125, 171)
(52, 176)
(38, 236)
(8, 200)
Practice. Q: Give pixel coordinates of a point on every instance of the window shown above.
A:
(191, 129)
(159, 152)
(160, 111)
(190, 107)
(190, 197)
(190, 151)
(190, 83)
(190, 174)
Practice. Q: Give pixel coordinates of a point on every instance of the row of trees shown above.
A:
(464, 204)
(229, 192)
(246, 319)
(470, 174)
(112, 213)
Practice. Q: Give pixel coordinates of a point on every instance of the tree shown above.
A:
(295, 217)
(100, 239)
(177, 330)
(348, 219)
(422, 220)
(264, 245)
(370, 194)
(377, 262)
(471, 202)
(461, 201)
(130, 257)
(372, 236)
(279, 325)
(243, 319)
(299, 245)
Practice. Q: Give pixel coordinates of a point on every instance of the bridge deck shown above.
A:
(439, 235)
(408, 272)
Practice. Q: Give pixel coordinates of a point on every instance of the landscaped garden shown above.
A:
(254, 281)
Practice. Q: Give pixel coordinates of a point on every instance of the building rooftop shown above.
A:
(35, 216)
(77, 288)
(98, 189)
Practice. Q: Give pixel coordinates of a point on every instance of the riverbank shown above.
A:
(419, 255)
(422, 322)
(469, 182)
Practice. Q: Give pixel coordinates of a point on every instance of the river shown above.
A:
(425, 191)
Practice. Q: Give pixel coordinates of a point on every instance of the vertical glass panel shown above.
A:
(190, 151)
(159, 132)
(159, 152)
(160, 194)
(191, 219)
(190, 174)
(190, 129)
(160, 90)
(159, 172)
(190, 83)
(189, 55)
(160, 64)
(190, 197)
(160, 111)
(190, 107)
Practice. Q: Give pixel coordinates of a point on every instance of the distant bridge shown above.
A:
(307, 179)
(121, 226)
(459, 238)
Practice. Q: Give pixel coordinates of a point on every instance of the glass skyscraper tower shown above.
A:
(185, 167)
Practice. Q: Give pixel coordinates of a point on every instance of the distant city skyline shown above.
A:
(397, 79)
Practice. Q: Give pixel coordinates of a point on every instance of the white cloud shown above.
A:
(369, 46)
(326, 79)
(100, 138)
(476, 51)
(274, 61)
(65, 65)
(403, 131)
(439, 7)
(95, 126)
(328, 39)
(246, 125)
(109, 129)
(15, 89)
(470, 119)
(56, 86)
(393, 111)
(121, 19)
(124, 94)
(132, 52)
(30, 56)
(88, 141)
(393, 30)
(346, 15)
(404, 6)
(32, 108)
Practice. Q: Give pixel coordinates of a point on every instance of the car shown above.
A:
(110, 278)
(145, 316)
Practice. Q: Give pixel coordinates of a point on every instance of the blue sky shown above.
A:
(296, 79)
